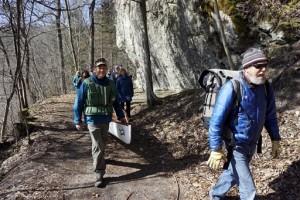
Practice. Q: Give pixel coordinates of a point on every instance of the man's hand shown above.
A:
(79, 127)
(215, 159)
(275, 149)
(124, 121)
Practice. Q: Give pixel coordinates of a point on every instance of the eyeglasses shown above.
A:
(260, 65)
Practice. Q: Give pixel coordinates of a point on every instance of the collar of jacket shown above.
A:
(243, 78)
(103, 81)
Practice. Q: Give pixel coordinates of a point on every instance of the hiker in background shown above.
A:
(75, 79)
(85, 74)
(91, 72)
(245, 121)
(125, 90)
(108, 74)
(115, 74)
(96, 99)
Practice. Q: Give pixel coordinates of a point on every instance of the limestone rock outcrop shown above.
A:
(184, 39)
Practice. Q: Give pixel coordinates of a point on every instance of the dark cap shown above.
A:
(100, 61)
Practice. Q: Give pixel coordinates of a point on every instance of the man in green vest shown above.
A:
(96, 99)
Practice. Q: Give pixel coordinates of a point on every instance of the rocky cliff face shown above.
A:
(183, 37)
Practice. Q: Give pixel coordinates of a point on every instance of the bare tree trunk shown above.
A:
(151, 97)
(3, 128)
(71, 34)
(102, 41)
(22, 115)
(6, 56)
(27, 56)
(78, 51)
(222, 35)
(60, 48)
(27, 79)
(92, 34)
(27, 62)
(23, 93)
(17, 46)
(20, 92)
(8, 100)
(37, 85)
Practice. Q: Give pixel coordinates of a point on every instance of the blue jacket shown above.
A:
(124, 88)
(80, 102)
(259, 106)
(75, 81)
(113, 76)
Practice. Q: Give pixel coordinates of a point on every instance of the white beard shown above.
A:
(257, 80)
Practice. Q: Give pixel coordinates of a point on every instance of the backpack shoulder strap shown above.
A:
(237, 89)
(267, 88)
(239, 92)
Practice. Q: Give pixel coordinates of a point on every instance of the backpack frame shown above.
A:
(211, 80)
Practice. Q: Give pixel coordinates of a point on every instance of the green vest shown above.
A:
(99, 98)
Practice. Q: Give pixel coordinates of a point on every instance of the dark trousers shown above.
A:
(127, 108)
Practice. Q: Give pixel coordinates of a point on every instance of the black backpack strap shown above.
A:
(237, 89)
(267, 88)
(238, 96)
(238, 93)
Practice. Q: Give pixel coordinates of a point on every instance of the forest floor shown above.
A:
(166, 159)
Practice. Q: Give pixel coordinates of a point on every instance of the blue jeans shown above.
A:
(238, 173)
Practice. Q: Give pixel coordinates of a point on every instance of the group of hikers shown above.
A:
(101, 93)
(123, 82)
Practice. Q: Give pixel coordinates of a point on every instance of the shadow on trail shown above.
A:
(157, 153)
(286, 186)
(54, 127)
(74, 148)
(158, 156)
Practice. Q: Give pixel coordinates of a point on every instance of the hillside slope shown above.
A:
(166, 160)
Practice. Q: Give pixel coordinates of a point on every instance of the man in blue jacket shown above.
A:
(257, 109)
(96, 99)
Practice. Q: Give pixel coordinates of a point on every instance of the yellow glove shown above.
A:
(275, 149)
(215, 159)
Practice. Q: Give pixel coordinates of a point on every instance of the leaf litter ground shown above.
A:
(166, 159)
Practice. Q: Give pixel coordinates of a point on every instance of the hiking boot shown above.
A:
(100, 183)
(99, 180)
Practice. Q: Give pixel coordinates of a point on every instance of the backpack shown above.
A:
(211, 80)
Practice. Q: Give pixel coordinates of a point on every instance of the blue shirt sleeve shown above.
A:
(79, 103)
(271, 123)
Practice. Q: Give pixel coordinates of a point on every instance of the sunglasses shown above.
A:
(260, 66)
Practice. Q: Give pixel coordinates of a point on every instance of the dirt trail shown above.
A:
(58, 165)
(166, 159)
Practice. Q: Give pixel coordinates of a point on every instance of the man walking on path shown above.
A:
(96, 99)
(245, 121)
